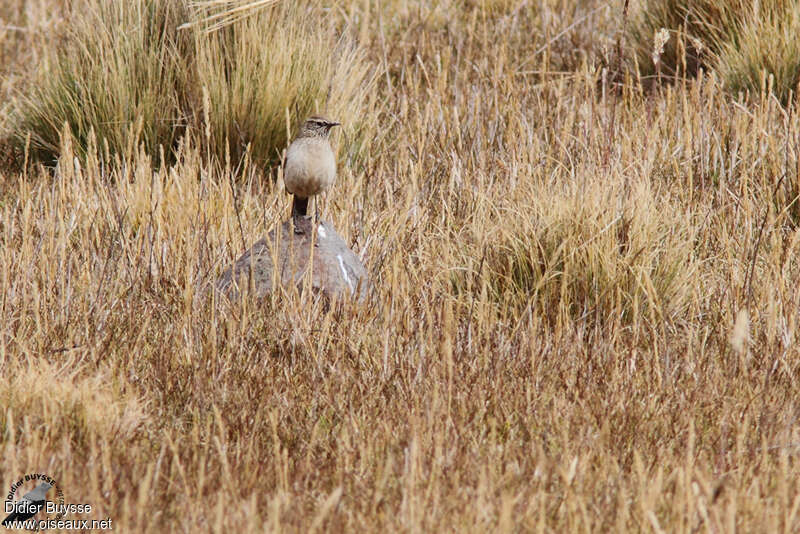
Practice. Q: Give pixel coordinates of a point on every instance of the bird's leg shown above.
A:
(299, 210)
(299, 206)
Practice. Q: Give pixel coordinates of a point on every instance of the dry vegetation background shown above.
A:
(586, 312)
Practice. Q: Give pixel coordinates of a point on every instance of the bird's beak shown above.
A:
(334, 123)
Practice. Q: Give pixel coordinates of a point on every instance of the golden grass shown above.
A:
(256, 84)
(585, 319)
(745, 42)
(766, 58)
(117, 76)
(130, 73)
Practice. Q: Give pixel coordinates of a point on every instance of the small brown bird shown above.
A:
(310, 166)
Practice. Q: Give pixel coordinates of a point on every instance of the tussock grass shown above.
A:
(120, 78)
(585, 319)
(127, 75)
(746, 42)
(696, 32)
(592, 250)
(766, 56)
(258, 84)
(57, 401)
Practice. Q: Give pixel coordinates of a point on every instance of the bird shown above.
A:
(29, 505)
(310, 165)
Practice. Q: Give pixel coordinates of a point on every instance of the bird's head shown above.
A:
(317, 126)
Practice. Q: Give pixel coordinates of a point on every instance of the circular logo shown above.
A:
(28, 496)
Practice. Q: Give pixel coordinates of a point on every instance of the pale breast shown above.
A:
(310, 167)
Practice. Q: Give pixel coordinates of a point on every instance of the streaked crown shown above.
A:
(317, 126)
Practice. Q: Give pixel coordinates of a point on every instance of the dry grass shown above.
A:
(586, 315)
(766, 53)
(127, 75)
(746, 42)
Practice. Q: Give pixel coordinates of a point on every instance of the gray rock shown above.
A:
(336, 272)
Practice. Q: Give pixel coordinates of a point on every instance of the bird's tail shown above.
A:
(299, 206)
